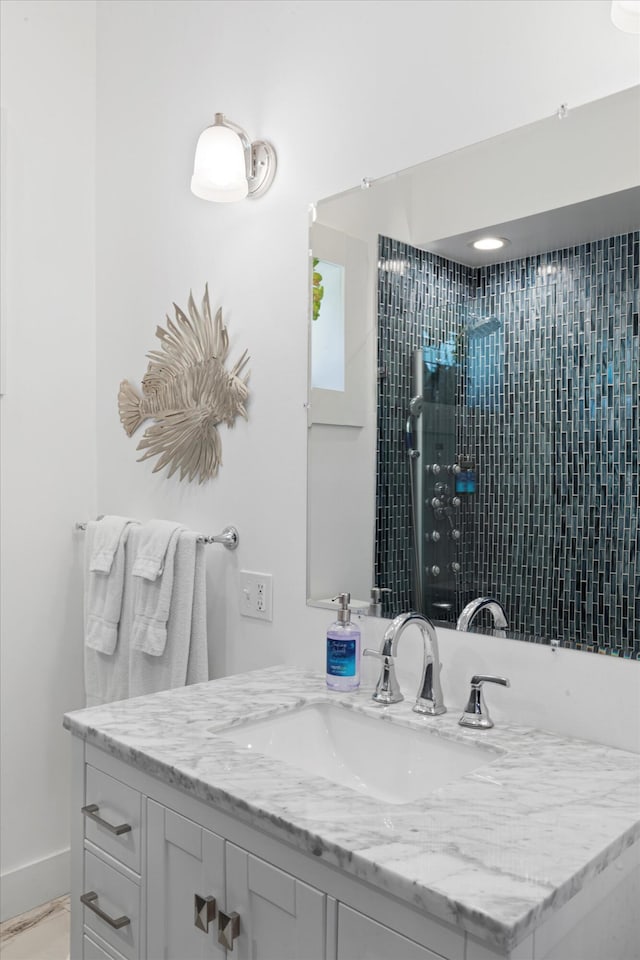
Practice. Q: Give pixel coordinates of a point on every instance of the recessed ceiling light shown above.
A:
(489, 243)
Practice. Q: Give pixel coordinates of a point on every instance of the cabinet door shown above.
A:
(360, 938)
(184, 861)
(281, 918)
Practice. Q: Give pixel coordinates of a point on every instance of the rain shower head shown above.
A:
(479, 327)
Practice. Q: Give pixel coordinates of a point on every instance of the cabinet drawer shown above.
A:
(92, 951)
(360, 938)
(120, 807)
(116, 896)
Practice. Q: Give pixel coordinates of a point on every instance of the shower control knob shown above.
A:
(455, 469)
(454, 567)
(435, 469)
(434, 571)
(456, 502)
(436, 504)
(455, 535)
(434, 536)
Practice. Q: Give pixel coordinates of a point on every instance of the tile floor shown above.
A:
(40, 934)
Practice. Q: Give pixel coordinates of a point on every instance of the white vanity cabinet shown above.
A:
(109, 816)
(185, 877)
(284, 918)
(156, 871)
(142, 884)
(275, 914)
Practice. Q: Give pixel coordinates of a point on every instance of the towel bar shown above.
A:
(229, 538)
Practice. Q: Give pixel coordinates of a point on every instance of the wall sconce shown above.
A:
(228, 166)
(625, 15)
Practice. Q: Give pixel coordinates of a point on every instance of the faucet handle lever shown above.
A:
(476, 714)
(477, 681)
(386, 658)
(387, 688)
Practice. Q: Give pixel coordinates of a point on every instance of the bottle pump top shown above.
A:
(344, 614)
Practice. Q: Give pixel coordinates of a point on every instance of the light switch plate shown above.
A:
(256, 595)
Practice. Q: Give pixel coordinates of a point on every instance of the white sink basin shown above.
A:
(384, 760)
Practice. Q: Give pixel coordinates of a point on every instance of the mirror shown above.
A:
(486, 434)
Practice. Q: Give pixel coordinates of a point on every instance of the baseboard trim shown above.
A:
(34, 883)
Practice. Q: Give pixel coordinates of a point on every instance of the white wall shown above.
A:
(343, 90)
(48, 424)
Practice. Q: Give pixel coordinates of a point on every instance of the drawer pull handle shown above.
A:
(92, 811)
(228, 928)
(205, 912)
(89, 901)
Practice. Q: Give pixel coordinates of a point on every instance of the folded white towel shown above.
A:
(152, 548)
(106, 678)
(157, 543)
(108, 533)
(185, 657)
(104, 589)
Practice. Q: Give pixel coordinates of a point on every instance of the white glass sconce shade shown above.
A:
(228, 166)
(625, 15)
(219, 170)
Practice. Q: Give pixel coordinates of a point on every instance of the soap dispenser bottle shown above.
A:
(343, 650)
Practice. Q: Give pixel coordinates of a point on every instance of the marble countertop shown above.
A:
(494, 853)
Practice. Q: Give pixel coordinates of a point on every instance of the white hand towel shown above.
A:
(104, 589)
(184, 659)
(106, 678)
(108, 533)
(152, 548)
(156, 545)
(198, 664)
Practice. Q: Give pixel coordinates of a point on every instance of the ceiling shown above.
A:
(556, 229)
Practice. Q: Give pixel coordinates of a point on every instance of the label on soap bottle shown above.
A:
(341, 657)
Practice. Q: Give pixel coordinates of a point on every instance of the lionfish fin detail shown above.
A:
(183, 439)
(129, 403)
(185, 342)
(239, 366)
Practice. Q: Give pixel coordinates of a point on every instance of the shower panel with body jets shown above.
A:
(439, 478)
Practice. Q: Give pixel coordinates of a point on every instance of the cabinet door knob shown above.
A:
(89, 900)
(204, 912)
(228, 928)
(91, 811)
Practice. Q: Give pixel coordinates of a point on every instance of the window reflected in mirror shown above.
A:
(327, 329)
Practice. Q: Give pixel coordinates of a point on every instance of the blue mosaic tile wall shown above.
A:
(547, 383)
(422, 303)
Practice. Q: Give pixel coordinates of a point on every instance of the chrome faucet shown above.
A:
(429, 698)
(473, 608)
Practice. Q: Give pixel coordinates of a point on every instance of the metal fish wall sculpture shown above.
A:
(188, 392)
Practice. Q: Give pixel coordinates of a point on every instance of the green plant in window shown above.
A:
(318, 289)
